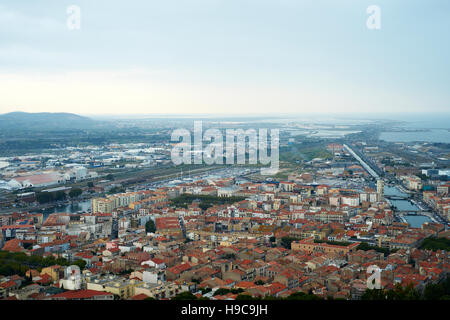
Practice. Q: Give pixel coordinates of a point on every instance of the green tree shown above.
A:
(286, 242)
(231, 256)
(303, 296)
(236, 291)
(403, 293)
(434, 292)
(44, 197)
(116, 189)
(80, 263)
(59, 195)
(75, 192)
(221, 292)
(440, 291)
(436, 244)
(185, 296)
(205, 290)
(365, 246)
(374, 294)
(398, 293)
(150, 226)
(272, 298)
(245, 297)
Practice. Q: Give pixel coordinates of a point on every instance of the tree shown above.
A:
(80, 263)
(365, 246)
(116, 190)
(28, 280)
(303, 296)
(150, 226)
(286, 242)
(398, 293)
(185, 296)
(270, 297)
(90, 184)
(75, 192)
(439, 291)
(27, 245)
(236, 291)
(231, 256)
(205, 290)
(59, 195)
(44, 197)
(245, 297)
(403, 293)
(221, 292)
(433, 292)
(374, 294)
(435, 244)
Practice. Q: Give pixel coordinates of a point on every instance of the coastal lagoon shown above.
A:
(432, 135)
(429, 128)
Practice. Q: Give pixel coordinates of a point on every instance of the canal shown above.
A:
(83, 206)
(393, 191)
(415, 221)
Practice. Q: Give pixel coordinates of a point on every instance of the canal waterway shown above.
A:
(83, 206)
(415, 221)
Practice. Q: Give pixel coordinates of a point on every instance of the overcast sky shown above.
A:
(224, 56)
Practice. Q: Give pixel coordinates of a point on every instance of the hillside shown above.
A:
(44, 121)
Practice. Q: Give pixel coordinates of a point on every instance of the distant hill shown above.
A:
(44, 121)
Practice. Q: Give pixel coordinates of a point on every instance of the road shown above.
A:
(368, 168)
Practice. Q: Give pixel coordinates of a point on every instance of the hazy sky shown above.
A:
(220, 56)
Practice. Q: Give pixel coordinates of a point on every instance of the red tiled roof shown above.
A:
(8, 284)
(18, 226)
(45, 278)
(81, 294)
(13, 246)
(180, 268)
(158, 261)
(245, 284)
